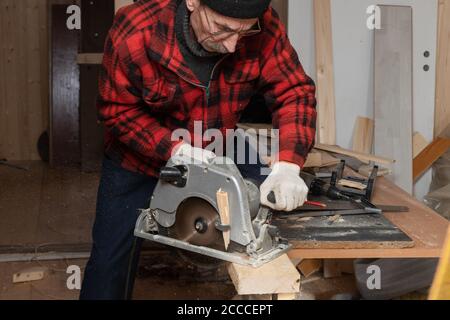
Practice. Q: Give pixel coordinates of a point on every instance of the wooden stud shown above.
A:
(326, 118)
(442, 108)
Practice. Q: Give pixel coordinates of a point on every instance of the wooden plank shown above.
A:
(326, 118)
(275, 277)
(419, 144)
(65, 130)
(442, 107)
(393, 92)
(89, 58)
(314, 159)
(342, 232)
(224, 212)
(440, 290)
(363, 135)
(429, 155)
(357, 155)
(29, 275)
(427, 228)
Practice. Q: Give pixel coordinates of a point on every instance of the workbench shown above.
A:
(423, 225)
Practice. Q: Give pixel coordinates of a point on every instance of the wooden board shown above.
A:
(354, 232)
(64, 114)
(326, 118)
(31, 274)
(419, 144)
(363, 135)
(277, 276)
(393, 92)
(442, 108)
(424, 226)
(429, 155)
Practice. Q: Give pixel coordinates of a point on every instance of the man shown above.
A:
(169, 64)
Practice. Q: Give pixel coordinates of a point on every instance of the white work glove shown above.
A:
(290, 190)
(198, 155)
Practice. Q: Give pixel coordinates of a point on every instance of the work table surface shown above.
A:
(426, 227)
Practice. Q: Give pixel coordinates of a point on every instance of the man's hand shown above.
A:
(290, 190)
(198, 155)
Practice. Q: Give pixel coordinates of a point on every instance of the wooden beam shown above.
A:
(276, 277)
(429, 155)
(442, 108)
(65, 75)
(357, 155)
(326, 119)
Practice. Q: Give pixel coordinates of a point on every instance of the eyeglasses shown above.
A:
(228, 32)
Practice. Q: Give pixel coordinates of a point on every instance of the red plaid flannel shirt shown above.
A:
(146, 89)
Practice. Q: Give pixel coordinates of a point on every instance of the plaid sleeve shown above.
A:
(120, 103)
(290, 95)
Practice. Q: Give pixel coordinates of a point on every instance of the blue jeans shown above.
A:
(111, 269)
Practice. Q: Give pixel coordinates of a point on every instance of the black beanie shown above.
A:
(240, 9)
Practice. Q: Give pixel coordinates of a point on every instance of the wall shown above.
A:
(23, 77)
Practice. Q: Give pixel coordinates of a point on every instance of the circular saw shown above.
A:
(212, 213)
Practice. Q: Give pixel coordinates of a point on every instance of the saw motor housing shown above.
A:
(249, 228)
